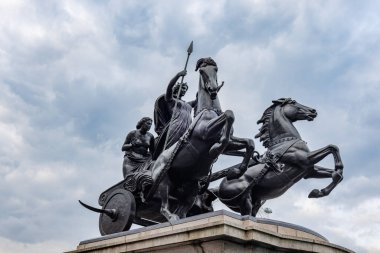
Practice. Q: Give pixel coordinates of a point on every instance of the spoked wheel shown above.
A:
(121, 208)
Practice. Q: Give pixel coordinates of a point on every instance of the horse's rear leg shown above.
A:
(246, 204)
(256, 207)
(249, 205)
(225, 121)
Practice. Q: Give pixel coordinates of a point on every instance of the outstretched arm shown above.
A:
(194, 102)
(169, 90)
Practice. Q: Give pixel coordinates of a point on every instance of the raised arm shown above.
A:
(169, 90)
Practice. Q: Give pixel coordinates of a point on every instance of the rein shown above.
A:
(270, 161)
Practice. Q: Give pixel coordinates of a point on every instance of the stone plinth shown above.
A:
(215, 232)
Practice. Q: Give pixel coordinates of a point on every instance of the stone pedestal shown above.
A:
(215, 232)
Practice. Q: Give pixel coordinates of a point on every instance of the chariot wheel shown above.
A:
(121, 209)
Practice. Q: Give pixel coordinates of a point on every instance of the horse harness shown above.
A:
(275, 152)
(271, 160)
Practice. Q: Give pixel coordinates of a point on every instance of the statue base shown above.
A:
(216, 232)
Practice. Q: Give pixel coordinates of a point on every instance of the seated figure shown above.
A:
(138, 147)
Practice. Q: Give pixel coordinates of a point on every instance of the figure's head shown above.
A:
(183, 91)
(144, 124)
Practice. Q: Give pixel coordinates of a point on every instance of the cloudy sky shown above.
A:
(75, 76)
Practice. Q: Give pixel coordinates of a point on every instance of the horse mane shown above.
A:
(202, 62)
(264, 130)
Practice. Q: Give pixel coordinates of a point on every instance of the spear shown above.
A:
(189, 51)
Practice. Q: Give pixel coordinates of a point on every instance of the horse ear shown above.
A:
(199, 62)
(281, 101)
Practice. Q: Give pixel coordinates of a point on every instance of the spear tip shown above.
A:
(190, 49)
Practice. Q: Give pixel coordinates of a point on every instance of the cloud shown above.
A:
(347, 215)
(7, 245)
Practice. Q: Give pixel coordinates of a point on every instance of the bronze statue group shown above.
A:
(167, 178)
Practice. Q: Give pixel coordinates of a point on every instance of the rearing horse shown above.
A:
(177, 170)
(287, 160)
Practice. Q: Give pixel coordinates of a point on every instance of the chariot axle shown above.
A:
(112, 213)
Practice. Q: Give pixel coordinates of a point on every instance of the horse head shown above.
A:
(208, 75)
(277, 120)
(295, 111)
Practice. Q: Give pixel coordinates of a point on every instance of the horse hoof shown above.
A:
(315, 194)
(173, 218)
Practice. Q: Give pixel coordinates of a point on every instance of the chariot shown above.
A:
(123, 205)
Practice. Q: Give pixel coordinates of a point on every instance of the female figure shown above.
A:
(138, 147)
(172, 114)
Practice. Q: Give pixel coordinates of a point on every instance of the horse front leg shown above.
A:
(215, 126)
(237, 143)
(318, 155)
(336, 175)
(319, 172)
(186, 202)
(163, 191)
